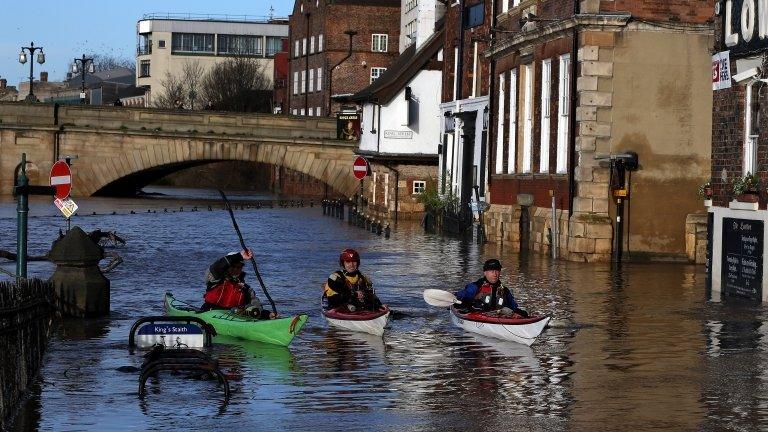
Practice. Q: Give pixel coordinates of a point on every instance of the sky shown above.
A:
(70, 29)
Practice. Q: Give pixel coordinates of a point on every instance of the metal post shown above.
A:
(618, 230)
(553, 243)
(22, 208)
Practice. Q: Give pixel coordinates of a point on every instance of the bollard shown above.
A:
(374, 223)
(386, 231)
(341, 210)
(324, 207)
(350, 215)
(378, 229)
(312, 203)
(367, 224)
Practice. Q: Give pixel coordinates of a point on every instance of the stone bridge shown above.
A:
(120, 149)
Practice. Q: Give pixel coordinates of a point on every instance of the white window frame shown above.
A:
(504, 6)
(546, 90)
(312, 44)
(418, 184)
(749, 165)
(302, 87)
(295, 82)
(318, 111)
(296, 49)
(301, 111)
(319, 79)
(500, 127)
(455, 68)
(474, 71)
(311, 80)
(295, 112)
(512, 145)
(379, 70)
(386, 190)
(303, 46)
(515, 3)
(379, 42)
(373, 189)
(311, 111)
(563, 113)
(320, 43)
(528, 118)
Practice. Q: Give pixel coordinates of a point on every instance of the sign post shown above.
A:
(22, 190)
(360, 170)
(61, 180)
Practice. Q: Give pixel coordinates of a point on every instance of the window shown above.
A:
(311, 80)
(386, 190)
(410, 5)
(312, 44)
(474, 72)
(311, 112)
(145, 44)
(564, 95)
(379, 42)
(319, 79)
(527, 117)
(318, 111)
(304, 46)
(373, 188)
(301, 112)
(376, 72)
(500, 128)
(303, 88)
(240, 45)
(474, 15)
(419, 186)
(296, 49)
(751, 127)
(192, 42)
(295, 83)
(546, 89)
(515, 3)
(320, 43)
(512, 151)
(144, 69)
(455, 69)
(504, 6)
(274, 45)
(161, 43)
(295, 112)
(410, 33)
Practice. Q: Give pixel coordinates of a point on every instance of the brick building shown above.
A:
(579, 88)
(736, 223)
(280, 90)
(318, 42)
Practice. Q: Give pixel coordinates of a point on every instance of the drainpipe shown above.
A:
(572, 114)
(460, 62)
(491, 82)
(306, 69)
(56, 132)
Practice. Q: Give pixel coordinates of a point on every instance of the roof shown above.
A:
(401, 71)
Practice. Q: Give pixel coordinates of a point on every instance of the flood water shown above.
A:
(643, 347)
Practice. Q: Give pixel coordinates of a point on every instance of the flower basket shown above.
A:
(748, 197)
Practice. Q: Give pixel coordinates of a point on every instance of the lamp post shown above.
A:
(349, 33)
(86, 64)
(23, 59)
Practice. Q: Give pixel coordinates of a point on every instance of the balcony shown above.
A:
(144, 50)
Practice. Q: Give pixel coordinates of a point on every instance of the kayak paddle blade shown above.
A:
(439, 298)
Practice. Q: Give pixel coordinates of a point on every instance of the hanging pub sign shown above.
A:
(348, 126)
(745, 25)
(721, 71)
(742, 266)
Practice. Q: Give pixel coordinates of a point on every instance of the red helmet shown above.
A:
(348, 255)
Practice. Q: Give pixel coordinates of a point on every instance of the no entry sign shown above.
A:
(61, 179)
(360, 168)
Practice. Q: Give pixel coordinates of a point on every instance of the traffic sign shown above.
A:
(61, 179)
(360, 168)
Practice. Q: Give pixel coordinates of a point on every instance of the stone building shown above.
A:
(319, 66)
(580, 88)
(8, 93)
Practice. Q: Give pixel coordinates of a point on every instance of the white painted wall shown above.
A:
(457, 146)
(425, 129)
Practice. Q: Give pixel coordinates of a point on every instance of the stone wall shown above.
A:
(696, 238)
(25, 323)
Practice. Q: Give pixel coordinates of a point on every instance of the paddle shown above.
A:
(242, 243)
(439, 298)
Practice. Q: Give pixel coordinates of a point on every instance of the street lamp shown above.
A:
(23, 59)
(86, 64)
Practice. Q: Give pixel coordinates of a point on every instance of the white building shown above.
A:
(400, 125)
(165, 43)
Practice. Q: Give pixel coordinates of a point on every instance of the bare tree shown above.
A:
(182, 91)
(172, 93)
(238, 84)
(103, 62)
(192, 73)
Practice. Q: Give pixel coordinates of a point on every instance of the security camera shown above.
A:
(747, 74)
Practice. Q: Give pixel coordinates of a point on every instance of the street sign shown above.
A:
(66, 206)
(360, 168)
(61, 179)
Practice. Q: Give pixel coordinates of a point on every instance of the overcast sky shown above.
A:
(70, 29)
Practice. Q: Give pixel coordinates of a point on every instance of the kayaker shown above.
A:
(488, 293)
(349, 287)
(226, 287)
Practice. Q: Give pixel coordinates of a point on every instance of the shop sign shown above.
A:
(745, 25)
(348, 126)
(721, 71)
(393, 134)
(742, 254)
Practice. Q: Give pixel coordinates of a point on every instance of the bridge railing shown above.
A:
(159, 120)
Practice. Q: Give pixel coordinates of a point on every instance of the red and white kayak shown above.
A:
(371, 322)
(491, 324)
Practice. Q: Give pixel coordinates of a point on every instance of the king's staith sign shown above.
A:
(745, 26)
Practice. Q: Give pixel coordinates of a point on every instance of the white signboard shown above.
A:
(393, 134)
(721, 71)
(66, 206)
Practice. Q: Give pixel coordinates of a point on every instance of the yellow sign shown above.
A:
(66, 206)
(620, 192)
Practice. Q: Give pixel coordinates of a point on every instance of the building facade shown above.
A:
(321, 66)
(583, 91)
(166, 43)
(737, 207)
(400, 126)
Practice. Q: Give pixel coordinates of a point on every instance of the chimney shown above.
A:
(3, 83)
(43, 76)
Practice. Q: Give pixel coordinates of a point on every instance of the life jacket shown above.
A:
(487, 298)
(358, 283)
(227, 294)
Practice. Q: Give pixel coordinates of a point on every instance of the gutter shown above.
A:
(572, 109)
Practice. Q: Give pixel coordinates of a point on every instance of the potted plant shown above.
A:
(747, 188)
(705, 191)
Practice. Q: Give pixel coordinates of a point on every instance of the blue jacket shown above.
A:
(467, 295)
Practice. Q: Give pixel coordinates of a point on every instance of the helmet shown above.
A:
(349, 255)
(492, 264)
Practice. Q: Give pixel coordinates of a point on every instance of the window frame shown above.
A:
(381, 37)
(563, 114)
(380, 70)
(422, 184)
(546, 100)
(512, 141)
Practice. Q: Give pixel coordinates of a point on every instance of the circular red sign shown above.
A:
(360, 168)
(61, 179)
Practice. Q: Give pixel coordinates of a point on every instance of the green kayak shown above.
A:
(277, 331)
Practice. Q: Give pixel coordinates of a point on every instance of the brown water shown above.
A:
(639, 348)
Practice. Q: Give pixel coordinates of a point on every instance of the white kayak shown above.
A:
(491, 324)
(371, 322)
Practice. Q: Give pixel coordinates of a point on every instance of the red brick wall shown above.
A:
(690, 11)
(480, 34)
(505, 191)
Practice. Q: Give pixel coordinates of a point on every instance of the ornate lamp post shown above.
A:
(85, 64)
(23, 59)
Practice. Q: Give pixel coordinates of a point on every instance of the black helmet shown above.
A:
(492, 264)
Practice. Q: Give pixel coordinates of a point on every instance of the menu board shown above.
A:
(742, 268)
